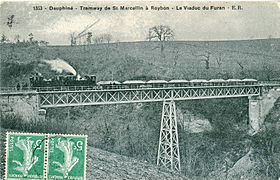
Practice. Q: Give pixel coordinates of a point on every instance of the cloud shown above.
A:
(257, 19)
(123, 26)
(66, 25)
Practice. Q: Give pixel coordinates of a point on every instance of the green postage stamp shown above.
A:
(25, 156)
(45, 156)
(66, 157)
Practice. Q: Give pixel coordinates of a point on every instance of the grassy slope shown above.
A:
(128, 60)
(239, 59)
(105, 165)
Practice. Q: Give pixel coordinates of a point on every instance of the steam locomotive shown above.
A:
(89, 82)
(59, 81)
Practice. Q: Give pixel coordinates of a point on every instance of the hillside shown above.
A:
(120, 61)
(105, 165)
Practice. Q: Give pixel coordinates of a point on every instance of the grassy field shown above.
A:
(133, 60)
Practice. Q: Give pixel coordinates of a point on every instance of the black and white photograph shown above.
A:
(140, 90)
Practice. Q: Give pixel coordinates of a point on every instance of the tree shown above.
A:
(177, 54)
(267, 71)
(4, 38)
(11, 21)
(98, 40)
(160, 33)
(17, 37)
(72, 39)
(107, 37)
(240, 65)
(30, 37)
(205, 57)
(89, 36)
(103, 38)
(43, 43)
(219, 60)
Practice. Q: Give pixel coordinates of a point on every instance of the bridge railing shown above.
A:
(14, 89)
(269, 82)
(76, 88)
(67, 88)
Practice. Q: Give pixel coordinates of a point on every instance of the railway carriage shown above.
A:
(157, 84)
(250, 81)
(71, 82)
(179, 83)
(217, 82)
(234, 82)
(198, 82)
(134, 84)
(109, 84)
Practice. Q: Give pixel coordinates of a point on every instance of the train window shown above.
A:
(178, 83)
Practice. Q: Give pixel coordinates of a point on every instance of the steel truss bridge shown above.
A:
(115, 96)
(168, 149)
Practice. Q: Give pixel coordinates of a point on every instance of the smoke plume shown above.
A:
(59, 65)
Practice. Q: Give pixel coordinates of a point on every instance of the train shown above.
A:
(89, 82)
(60, 81)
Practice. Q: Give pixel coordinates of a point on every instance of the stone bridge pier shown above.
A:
(259, 107)
(22, 104)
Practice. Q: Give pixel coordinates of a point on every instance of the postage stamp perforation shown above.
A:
(46, 157)
(6, 156)
(43, 134)
(59, 134)
(85, 159)
(25, 133)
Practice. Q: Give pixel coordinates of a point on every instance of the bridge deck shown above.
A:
(114, 96)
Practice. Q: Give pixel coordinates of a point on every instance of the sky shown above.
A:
(256, 20)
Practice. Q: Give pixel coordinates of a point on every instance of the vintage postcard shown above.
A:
(139, 90)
